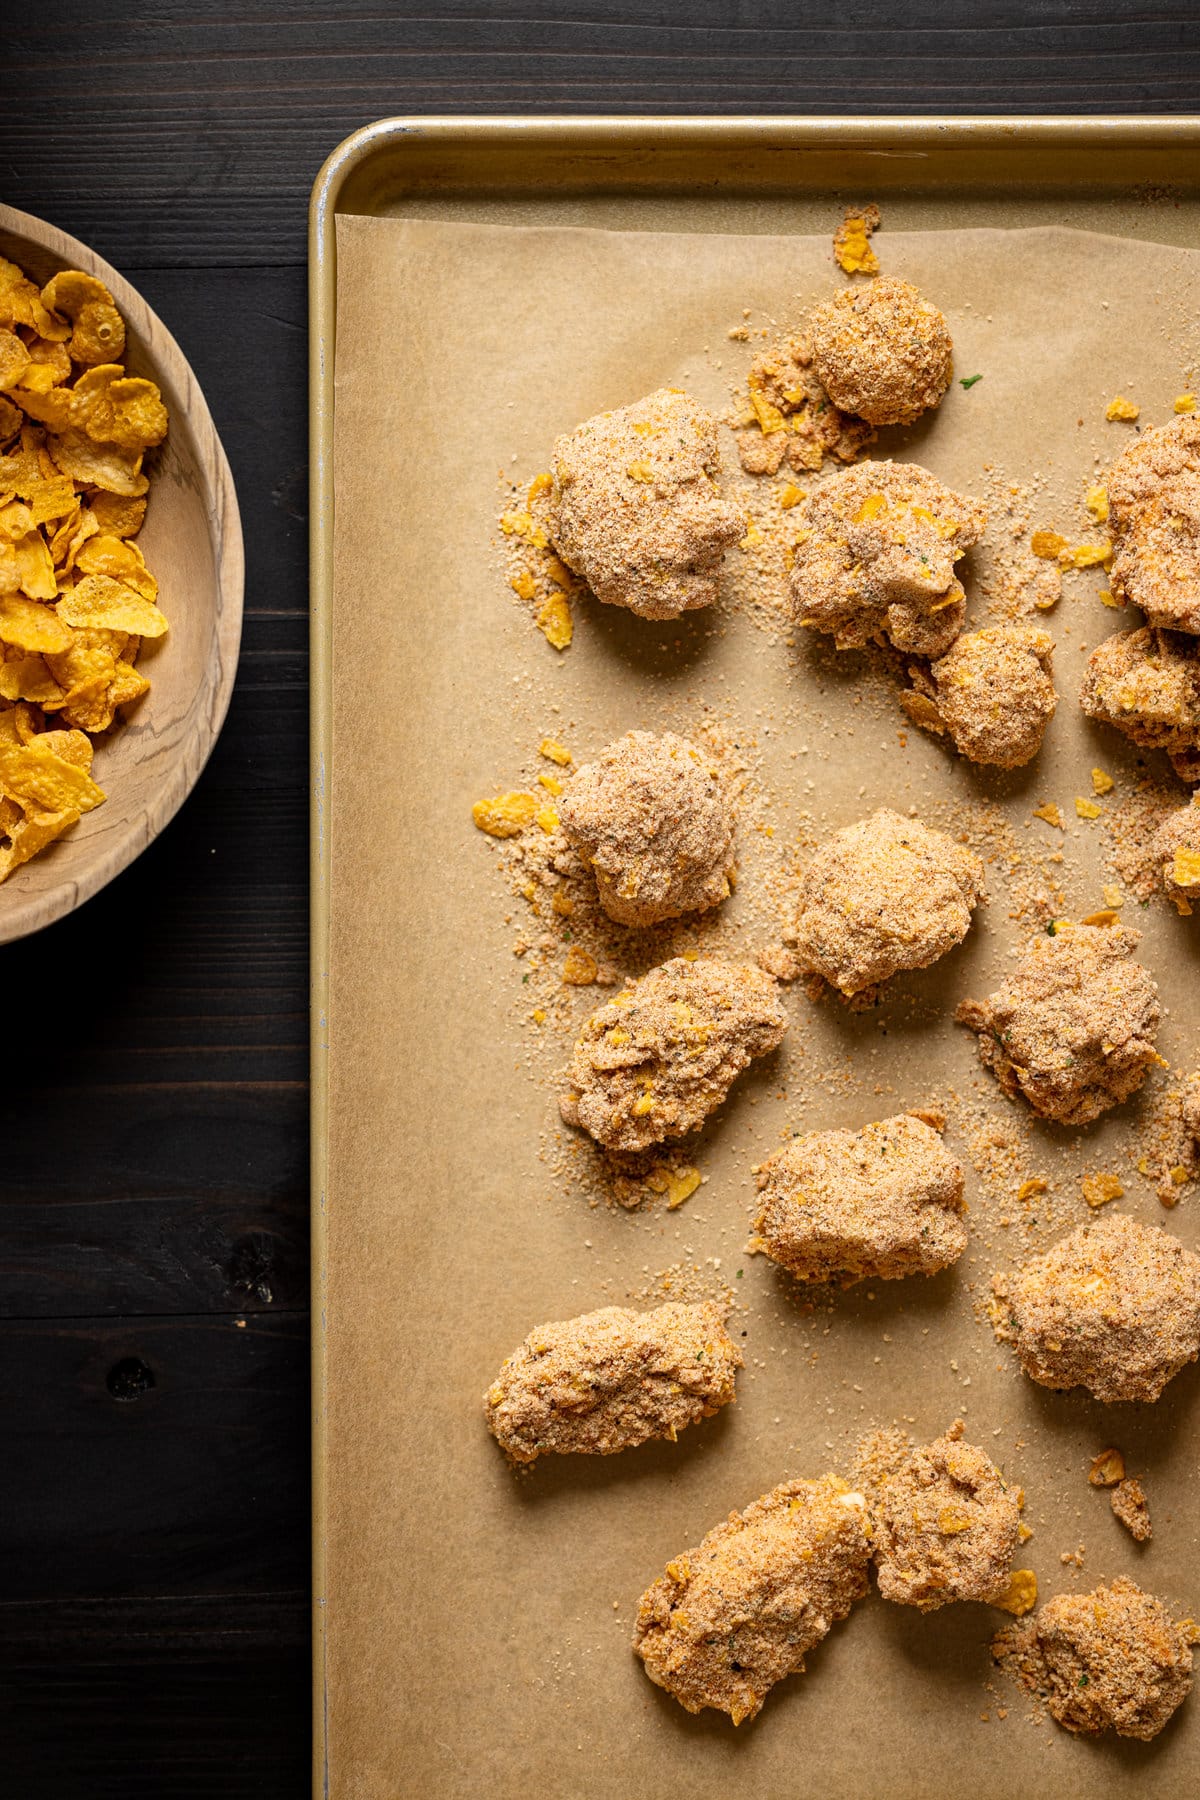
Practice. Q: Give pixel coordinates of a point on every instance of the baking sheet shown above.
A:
(477, 1622)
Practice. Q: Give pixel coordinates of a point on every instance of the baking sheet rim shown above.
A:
(1004, 131)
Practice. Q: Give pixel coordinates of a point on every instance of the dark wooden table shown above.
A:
(153, 1108)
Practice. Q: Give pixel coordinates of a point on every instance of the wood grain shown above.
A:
(193, 542)
(268, 93)
(154, 1122)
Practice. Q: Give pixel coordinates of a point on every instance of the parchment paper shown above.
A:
(479, 1622)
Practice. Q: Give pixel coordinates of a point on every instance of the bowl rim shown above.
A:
(46, 905)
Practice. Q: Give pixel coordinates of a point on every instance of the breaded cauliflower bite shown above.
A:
(875, 558)
(1154, 517)
(734, 1616)
(1114, 1308)
(1111, 1660)
(945, 1523)
(883, 895)
(881, 351)
(1072, 1028)
(657, 1058)
(1176, 851)
(612, 1379)
(842, 1206)
(992, 694)
(795, 418)
(1147, 684)
(653, 818)
(634, 506)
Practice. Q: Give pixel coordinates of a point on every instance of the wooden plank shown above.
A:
(156, 1699)
(193, 134)
(150, 1456)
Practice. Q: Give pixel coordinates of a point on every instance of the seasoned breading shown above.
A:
(875, 558)
(992, 693)
(882, 351)
(1128, 1501)
(1154, 516)
(1111, 1660)
(634, 507)
(883, 1202)
(735, 1615)
(657, 1058)
(1147, 684)
(1176, 851)
(945, 1523)
(653, 818)
(1072, 1028)
(795, 418)
(884, 894)
(1114, 1307)
(612, 1379)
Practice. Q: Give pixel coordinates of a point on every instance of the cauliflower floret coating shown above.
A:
(992, 693)
(1112, 1660)
(1147, 684)
(882, 351)
(882, 895)
(634, 506)
(875, 558)
(735, 1615)
(845, 1206)
(657, 1058)
(1114, 1307)
(1072, 1028)
(612, 1379)
(1176, 851)
(945, 1525)
(653, 818)
(1154, 515)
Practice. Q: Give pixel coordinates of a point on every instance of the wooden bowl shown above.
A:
(192, 540)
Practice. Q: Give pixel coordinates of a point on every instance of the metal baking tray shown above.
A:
(1134, 177)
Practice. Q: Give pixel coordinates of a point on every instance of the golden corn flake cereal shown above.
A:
(1096, 502)
(852, 241)
(554, 752)
(507, 815)
(580, 968)
(1087, 809)
(104, 555)
(1050, 813)
(21, 305)
(100, 601)
(14, 359)
(1185, 403)
(555, 623)
(1098, 1190)
(28, 625)
(76, 596)
(35, 775)
(118, 516)
(1107, 1469)
(1102, 783)
(1121, 408)
(1020, 1596)
(1049, 545)
(30, 834)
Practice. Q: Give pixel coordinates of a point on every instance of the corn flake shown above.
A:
(28, 625)
(34, 775)
(554, 621)
(98, 600)
(505, 816)
(14, 359)
(1020, 1596)
(1121, 408)
(118, 516)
